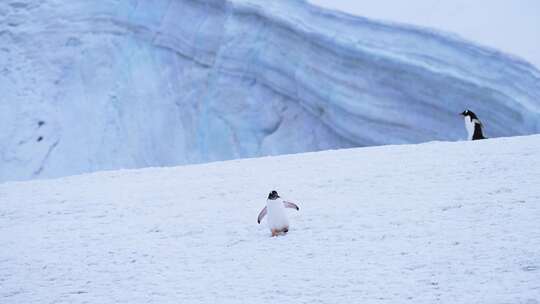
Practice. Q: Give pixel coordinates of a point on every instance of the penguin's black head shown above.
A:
(470, 114)
(273, 195)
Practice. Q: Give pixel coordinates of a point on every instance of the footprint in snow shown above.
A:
(530, 268)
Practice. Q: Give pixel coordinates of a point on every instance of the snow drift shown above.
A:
(391, 224)
(93, 85)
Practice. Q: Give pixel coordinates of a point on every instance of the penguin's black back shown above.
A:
(478, 132)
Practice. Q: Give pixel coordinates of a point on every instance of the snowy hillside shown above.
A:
(94, 85)
(430, 223)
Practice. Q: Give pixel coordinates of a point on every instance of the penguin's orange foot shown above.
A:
(276, 232)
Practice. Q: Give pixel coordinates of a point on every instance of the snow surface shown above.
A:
(98, 85)
(509, 26)
(432, 223)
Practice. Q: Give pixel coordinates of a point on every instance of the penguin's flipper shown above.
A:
(261, 215)
(290, 205)
(478, 134)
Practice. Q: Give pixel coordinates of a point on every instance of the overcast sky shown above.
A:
(512, 26)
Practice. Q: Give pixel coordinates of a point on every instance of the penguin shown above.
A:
(275, 209)
(473, 125)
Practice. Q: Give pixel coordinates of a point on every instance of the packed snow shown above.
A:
(441, 222)
(99, 85)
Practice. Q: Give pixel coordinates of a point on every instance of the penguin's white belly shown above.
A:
(469, 125)
(277, 219)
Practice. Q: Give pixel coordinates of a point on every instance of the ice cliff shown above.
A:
(94, 85)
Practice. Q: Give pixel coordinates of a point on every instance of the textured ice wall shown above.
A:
(93, 85)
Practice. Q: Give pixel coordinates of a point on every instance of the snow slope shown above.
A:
(97, 85)
(509, 26)
(431, 223)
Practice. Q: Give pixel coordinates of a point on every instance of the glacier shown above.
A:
(100, 85)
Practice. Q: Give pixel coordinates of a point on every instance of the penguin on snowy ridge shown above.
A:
(473, 125)
(275, 209)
